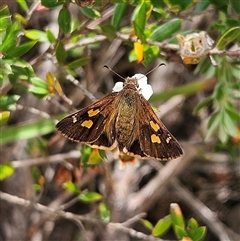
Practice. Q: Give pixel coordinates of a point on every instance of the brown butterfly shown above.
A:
(125, 120)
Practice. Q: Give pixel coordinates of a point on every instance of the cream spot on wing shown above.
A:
(155, 139)
(74, 118)
(168, 139)
(93, 112)
(87, 123)
(154, 126)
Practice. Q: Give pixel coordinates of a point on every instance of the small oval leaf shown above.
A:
(118, 13)
(162, 226)
(6, 170)
(64, 20)
(90, 197)
(166, 30)
(60, 53)
(38, 35)
(104, 212)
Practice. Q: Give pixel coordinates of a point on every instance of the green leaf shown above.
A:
(118, 14)
(139, 20)
(60, 53)
(150, 54)
(222, 134)
(5, 22)
(199, 234)
(71, 187)
(20, 18)
(4, 116)
(177, 220)
(165, 30)
(228, 124)
(64, 20)
(21, 49)
(6, 170)
(201, 6)
(85, 154)
(108, 30)
(26, 130)
(39, 87)
(36, 173)
(4, 11)
(233, 113)
(179, 232)
(146, 224)
(77, 63)
(192, 224)
(162, 226)
(220, 5)
(90, 12)
(94, 158)
(181, 5)
(213, 124)
(39, 91)
(23, 5)
(35, 34)
(104, 212)
(50, 36)
(38, 82)
(236, 5)
(186, 90)
(202, 104)
(229, 36)
(90, 197)
(8, 100)
(52, 3)
(11, 39)
(102, 154)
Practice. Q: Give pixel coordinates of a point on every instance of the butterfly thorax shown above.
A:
(126, 106)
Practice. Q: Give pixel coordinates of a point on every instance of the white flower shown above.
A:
(118, 87)
(144, 88)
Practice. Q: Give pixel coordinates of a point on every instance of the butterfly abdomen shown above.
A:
(126, 118)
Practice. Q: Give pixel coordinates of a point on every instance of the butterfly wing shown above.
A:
(153, 138)
(88, 124)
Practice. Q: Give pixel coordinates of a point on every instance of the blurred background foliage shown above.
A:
(52, 54)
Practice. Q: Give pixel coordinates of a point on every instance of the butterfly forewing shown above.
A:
(155, 139)
(88, 125)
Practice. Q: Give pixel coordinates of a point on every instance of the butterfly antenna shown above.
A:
(161, 64)
(105, 66)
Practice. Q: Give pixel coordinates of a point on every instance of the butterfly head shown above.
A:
(137, 82)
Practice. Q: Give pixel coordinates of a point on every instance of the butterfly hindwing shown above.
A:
(87, 125)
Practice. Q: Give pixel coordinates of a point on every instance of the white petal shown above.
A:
(140, 77)
(118, 87)
(147, 92)
(145, 89)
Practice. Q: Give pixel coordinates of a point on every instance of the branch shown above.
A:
(44, 160)
(84, 90)
(132, 232)
(54, 212)
(78, 218)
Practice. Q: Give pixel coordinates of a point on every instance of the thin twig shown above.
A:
(132, 232)
(49, 159)
(134, 219)
(55, 212)
(84, 90)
